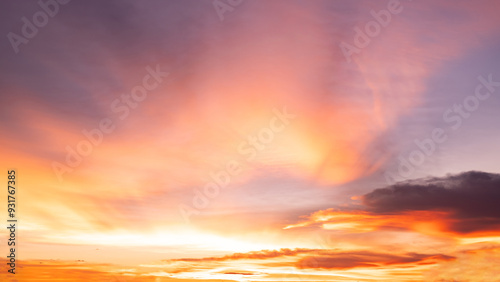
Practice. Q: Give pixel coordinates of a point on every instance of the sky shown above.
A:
(251, 140)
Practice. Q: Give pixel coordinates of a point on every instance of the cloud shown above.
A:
(259, 255)
(226, 79)
(312, 258)
(352, 259)
(239, 273)
(470, 265)
(470, 199)
(52, 270)
(64, 270)
(463, 204)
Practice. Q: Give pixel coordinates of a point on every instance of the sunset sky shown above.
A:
(251, 140)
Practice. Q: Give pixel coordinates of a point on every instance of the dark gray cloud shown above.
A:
(471, 197)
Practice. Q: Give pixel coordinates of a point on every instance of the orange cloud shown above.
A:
(267, 263)
(470, 265)
(352, 259)
(57, 270)
(264, 254)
